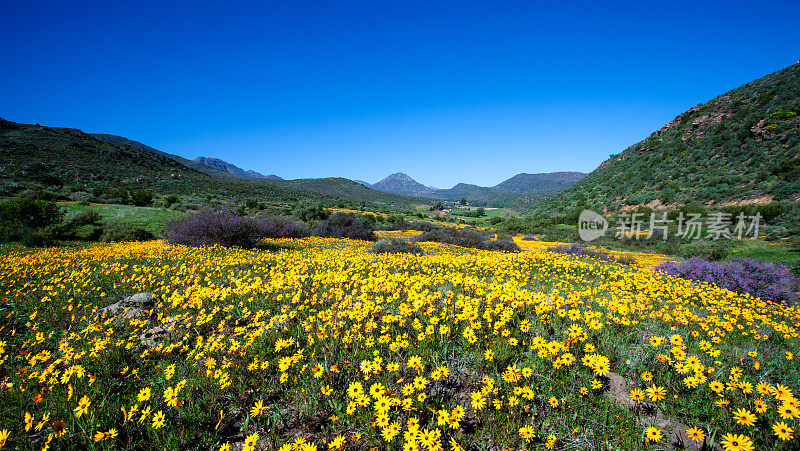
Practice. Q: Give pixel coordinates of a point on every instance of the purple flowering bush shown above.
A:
(346, 225)
(770, 281)
(208, 227)
(278, 227)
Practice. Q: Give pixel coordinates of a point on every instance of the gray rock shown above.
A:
(133, 306)
(151, 336)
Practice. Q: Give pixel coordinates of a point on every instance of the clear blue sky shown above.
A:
(444, 91)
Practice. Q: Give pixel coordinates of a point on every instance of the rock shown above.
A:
(619, 388)
(150, 337)
(759, 130)
(701, 121)
(132, 306)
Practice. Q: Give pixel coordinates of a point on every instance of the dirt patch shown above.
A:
(754, 201)
(619, 389)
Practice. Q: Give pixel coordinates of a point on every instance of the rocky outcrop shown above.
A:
(142, 306)
(134, 306)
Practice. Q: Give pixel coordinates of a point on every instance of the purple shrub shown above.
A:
(277, 227)
(505, 245)
(208, 227)
(401, 224)
(771, 281)
(346, 225)
(452, 235)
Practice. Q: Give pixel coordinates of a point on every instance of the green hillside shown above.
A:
(477, 195)
(68, 161)
(543, 183)
(199, 167)
(742, 145)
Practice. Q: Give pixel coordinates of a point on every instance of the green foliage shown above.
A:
(438, 206)
(148, 218)
(171, 199)
(309, 210)
(86, 225)
(708, 250)
(346, 225)
(113, 232)
(34, 222)
(142, 197)
(119, 195)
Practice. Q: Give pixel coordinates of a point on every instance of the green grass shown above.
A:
(766, 251)
(151, 219)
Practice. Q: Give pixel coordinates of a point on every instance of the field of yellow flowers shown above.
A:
(320, 344)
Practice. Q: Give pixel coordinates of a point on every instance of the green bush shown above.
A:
(86, 225)
(309, 210)
(709, 250)
(170, 200)
(775, 233)
(141, 197)
(114, 232)
(120, 195)
(346, 225)
(34, 222)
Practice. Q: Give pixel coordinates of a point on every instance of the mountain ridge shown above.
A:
(505, 192)
(231, 168)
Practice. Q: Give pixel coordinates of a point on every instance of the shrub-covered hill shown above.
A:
(743, 144)
(35, 157)
(543, 183)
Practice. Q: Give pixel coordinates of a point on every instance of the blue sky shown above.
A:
(444, 91)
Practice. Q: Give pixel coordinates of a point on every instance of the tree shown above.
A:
(142, 197)
(171, 199)
(32, 221)
(119, 194)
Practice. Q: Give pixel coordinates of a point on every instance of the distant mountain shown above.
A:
(224, 166)
(545, 183)
(368, 185)
(474, 194)
(742, 146)
(400, 183)
(504, 194)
